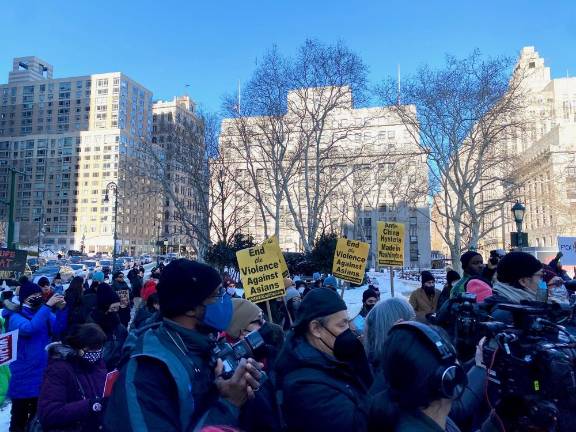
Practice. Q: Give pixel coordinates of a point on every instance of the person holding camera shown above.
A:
(171, 382)
(262, 412)
(423, 378)
(323, 372)
(35, 321)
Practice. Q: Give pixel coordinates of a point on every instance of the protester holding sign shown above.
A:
(322, 369)
(34, 321)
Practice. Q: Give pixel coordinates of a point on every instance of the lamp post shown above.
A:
(518, 210)
(113, 187)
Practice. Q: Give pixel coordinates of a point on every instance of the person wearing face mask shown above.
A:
(322, 369)
(106, 316)
(369, 300)
(519, 277)
(260, 413)
(171, 381)
(231, 289)
(71, 393)
(424, 300)
(35, 322)
(472, 265)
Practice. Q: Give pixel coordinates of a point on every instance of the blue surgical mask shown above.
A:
(218, 315)
(542, 291)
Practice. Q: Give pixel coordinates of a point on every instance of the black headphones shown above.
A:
(449, 379)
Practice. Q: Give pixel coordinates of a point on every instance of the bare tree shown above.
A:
(176, 166)
(466, 114)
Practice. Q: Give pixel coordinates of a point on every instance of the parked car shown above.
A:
(91, 266)
(80, 270)
(106, 266)
(66, 273)
(35, 263)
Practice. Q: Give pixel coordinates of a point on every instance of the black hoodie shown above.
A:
(319, 393)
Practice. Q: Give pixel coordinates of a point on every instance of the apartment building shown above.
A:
(73, 139)
(178, 134)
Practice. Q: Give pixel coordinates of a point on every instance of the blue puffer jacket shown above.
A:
(34, 331)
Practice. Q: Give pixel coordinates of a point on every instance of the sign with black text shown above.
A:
(13, 260)
(350, 259)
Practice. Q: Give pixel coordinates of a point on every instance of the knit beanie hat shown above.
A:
(330, 281)
(426, 276)
(43, 281)
(452, 276)
(105, 296)
(467, 257)
(319, 302)
(245, 312)
(185, 284)
(369, 293)
(517, 265)
(480, 288)
(27, 289)
(98, 276)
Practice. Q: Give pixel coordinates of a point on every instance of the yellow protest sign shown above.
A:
(390, 244)
(350, 260)
(260, 273)
(273, 243)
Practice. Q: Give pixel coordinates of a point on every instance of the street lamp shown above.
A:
(113, 187)
(518, 210)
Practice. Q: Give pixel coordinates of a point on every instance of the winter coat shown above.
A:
(116, 335)
(165, 387)
(319, 393)
(417, 421)
(444, 295)
(69, 386)
(136, 285)
(34, 332)
(424, 304)
(460, 286)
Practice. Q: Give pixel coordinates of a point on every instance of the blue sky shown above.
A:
(211, 45)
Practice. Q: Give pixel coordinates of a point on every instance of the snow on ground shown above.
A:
(5, 416)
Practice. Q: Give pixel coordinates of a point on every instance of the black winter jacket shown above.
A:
(319, 393)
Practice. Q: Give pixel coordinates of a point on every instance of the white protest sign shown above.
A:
(8, 347)
(567, 245)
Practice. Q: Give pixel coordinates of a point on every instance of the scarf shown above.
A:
(513, 294)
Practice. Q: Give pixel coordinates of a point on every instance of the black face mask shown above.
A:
(36, 302)
(347, 347)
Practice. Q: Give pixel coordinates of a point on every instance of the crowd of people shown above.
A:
(183, 351)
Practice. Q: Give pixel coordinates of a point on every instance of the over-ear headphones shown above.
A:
(449, 379)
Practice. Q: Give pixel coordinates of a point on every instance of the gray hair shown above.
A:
(379, 322)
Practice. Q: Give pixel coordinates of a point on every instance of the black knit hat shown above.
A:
(452, 276)
(185, 284)
(467, 257)
(369, 293)
(319, 302)
(27, 289)
(426, 276)
(517, 265)
(105, 296)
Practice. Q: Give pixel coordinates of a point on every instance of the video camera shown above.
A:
(251, 346)
(531, 363)
(460, 317)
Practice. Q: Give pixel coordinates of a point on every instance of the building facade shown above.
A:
(73, 139)
(546, 152)
(373, 171)
(178, 135)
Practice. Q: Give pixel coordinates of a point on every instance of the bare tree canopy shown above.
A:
(466, 114)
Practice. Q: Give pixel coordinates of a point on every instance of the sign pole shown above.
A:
(391, 281)
(342, 290)
(269, 311)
